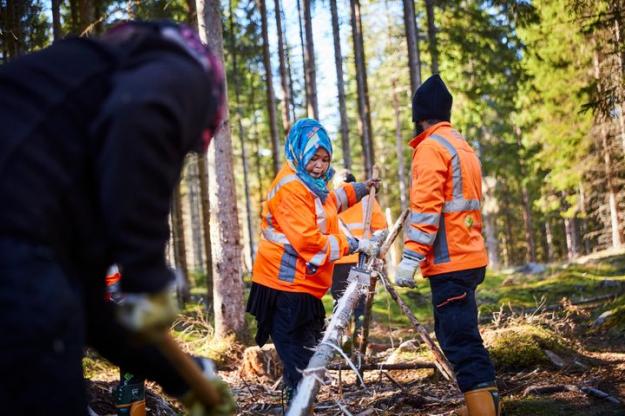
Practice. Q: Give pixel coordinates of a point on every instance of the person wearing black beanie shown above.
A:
(444, 240)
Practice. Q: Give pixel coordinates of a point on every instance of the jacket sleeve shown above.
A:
(295, 215)
(154, 115)
(348, 195)
(427, 196)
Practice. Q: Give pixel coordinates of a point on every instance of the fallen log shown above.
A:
(415, 365)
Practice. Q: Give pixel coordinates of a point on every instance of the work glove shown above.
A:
(405, 271)
(149, 314)
(194, 406)
(368, 247)
(373, 182)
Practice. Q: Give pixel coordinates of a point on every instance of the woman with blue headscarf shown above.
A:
(300, 241)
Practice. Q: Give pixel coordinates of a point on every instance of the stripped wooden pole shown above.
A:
(357, 283)
(367, 234)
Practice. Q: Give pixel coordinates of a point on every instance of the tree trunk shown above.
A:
(75, 17)
(363, 90)
(571, 238)
(526, 206)
(609, 176)
(195, 203)
(584, 221)
(206, 227)
(180, 248)
(549, 241)
(242, 134)
(289, 72)
(56, 19)
(340, 85)
(227, 279)
(619, 56)
(202, 172)
(489, 212)
(399, 146)
(309, 64)
(303, 49)
(432, 45)
(527, 224)
(85, 11)
(412, 41)
(608, 170)
(271, 108)
(284, 79)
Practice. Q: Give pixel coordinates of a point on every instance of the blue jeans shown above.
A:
(456, 327)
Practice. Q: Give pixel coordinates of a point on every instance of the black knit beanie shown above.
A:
(432, 100)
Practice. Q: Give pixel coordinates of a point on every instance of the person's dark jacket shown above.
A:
(90, 151)
(92, 141)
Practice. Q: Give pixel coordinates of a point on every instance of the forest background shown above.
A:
(538, 91)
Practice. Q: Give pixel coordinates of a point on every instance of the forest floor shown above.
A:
(557, 339)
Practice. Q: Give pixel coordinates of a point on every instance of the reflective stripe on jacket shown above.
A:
(300, 238)
(354, 219)
(445, 222)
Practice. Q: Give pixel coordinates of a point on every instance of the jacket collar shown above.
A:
(428, 132)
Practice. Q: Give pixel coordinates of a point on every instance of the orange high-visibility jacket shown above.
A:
(300, 238)
(445, 222)
(354, 219)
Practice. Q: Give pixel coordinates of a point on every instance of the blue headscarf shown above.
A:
(305, 138)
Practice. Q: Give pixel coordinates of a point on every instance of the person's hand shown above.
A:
(373, 182)
(149, 314)
(194, 406)
(368, 247)
(405, 271)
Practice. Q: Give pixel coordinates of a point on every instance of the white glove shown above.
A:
(149, 314)
(369, 248)
(405, 271)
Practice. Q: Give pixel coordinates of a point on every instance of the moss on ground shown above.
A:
(521, 346)
(553, 407)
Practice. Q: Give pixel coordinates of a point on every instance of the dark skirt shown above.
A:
(303, 307)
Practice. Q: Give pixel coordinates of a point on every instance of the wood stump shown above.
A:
(261, 363)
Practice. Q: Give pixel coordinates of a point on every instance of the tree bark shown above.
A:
(608, 170)
(340, 85)
(363, 90)
(399, 147)
(56, 19)
(309, 61)
(284, 78)
(202, 172)
(584, 221)
(570, 229)
(412, 41)
(432, 44)
(206, 227)
(195, 204)
(85, 12)
(526, 206)
(489, 212)
(271, 108)
(303, 49)
(549, 241)
(227, 279)
(180, 248)
(242, 135)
